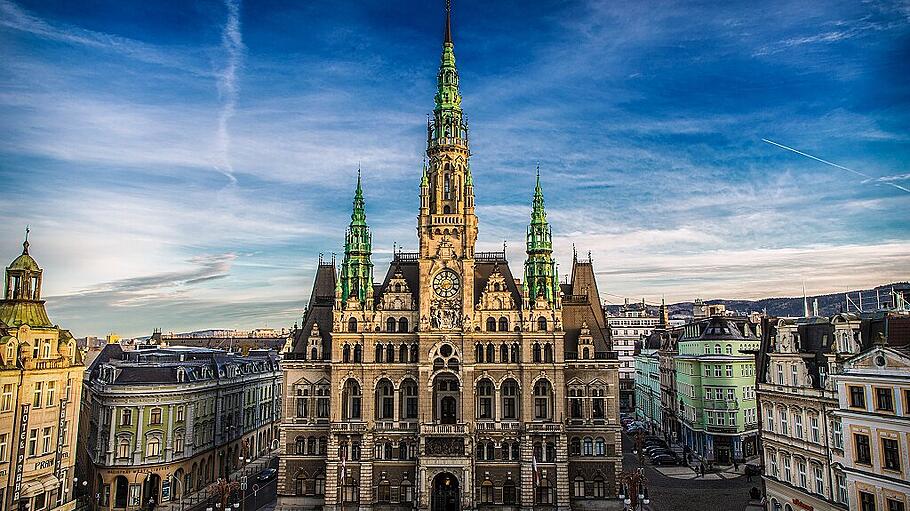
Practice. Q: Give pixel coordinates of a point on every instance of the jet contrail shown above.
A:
(826, 162)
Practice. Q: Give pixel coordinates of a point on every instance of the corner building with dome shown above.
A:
(451, 383)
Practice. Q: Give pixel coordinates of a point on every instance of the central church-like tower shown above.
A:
(452, 383)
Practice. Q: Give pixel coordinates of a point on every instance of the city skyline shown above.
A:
(173, 163)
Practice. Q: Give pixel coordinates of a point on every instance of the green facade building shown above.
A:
(716, 388)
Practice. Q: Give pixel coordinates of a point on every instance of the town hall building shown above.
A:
(451, 383)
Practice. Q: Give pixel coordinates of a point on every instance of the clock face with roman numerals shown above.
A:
(446, 284)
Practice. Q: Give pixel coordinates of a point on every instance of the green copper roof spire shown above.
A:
(357, 268)
(447, 115)
(540, 268)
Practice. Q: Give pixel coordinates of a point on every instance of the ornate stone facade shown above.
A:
(452, 384)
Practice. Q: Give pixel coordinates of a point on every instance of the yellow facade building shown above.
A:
(40, 384)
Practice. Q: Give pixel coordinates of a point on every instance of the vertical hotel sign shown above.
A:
(20, 454)
(58, 457)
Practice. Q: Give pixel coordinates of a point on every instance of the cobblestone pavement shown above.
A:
(691, 494)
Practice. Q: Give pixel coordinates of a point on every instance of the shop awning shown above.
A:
(35, 486)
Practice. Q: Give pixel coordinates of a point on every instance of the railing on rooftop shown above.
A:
(406, 256)
(575, 299)
(490, 256)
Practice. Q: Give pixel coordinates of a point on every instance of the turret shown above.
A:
(357, 268)
(22, 303)
(540, 268)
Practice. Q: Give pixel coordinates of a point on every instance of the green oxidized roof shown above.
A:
(24, 261)
(16, 313)
(447, 95)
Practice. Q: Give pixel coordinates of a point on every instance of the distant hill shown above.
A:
(828, 305)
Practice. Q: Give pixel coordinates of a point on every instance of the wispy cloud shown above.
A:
(232, 43)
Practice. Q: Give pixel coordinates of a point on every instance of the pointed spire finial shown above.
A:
(448, 33)
(25, 243)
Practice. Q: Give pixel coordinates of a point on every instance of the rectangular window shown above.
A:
(895, 505)
(4, 440)
(787, 474)
(33, 442)
(857, 397)
(784, 423)
(819, 479)
(794, 376)
(813, 428)
(770, 422)
(126, 417)
(707, 370)
(842, 494)
(884, 400)
(798, 425)
(866, 501)
(51, 389)
(731, 418)
(780, 374)
(891, 458)
(863, 453)
(838, 433)
(46, 440)
(717, 371)
(731, 394)
(7, 403)
(39, 387)
(801, 472)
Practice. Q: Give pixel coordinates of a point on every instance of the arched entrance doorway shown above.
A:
(150, 490)
(446, 493)
(121, 486)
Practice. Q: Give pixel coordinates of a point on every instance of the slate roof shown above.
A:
(319, 311)
(580, 305)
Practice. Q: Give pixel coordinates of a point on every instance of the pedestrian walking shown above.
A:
(735, 466)
(703, 470)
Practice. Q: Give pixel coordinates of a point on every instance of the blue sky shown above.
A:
(182, 164)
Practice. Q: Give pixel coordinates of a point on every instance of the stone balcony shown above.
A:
(434, 429)
(349, 427)
(397, 426)
(498, 426)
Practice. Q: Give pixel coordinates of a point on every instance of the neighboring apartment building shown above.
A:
(647, 386)
(627, 329)
(668, 340)
(41, 380)
(160, 423)
(797, 399)
(446, 384)
(716, 388)
(874, 398)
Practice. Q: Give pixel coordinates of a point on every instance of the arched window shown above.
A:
(390, 353)
(402, 354)
(406, 491)
(409, 399)
(510, 400)
(300, 445)
(486, 492)
(729, 349)
(390, 325)
(385, 400)
(314, 353)
(600, 447)
(578, 487)
(589, 447)
(352, 325)
(123, 448)
(548, 353)
(542, 400)
(575, 447)
(542, 324)
(358, 353)
(403, 325)
(551, 452)
(600, 489)
(515, 354)
(384, 491)
(413, 353)
(509, 493)
(504, 353)
(485, 399)
(311, 447)
(351, 398)
(491, 353)
(717, 349)
(536, 352)
(491, 325)
(478, 353)
(503, 324)
(378, 356)
(153, 446)
(346, 354)
(585, 353)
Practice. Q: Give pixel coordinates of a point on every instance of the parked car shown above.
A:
(652, 449)
(266, 475)
(653, 441)
(665, 459)
(659, 452)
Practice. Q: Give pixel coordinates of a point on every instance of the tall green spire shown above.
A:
(357, 268)
(540, 268)
(447, 114)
